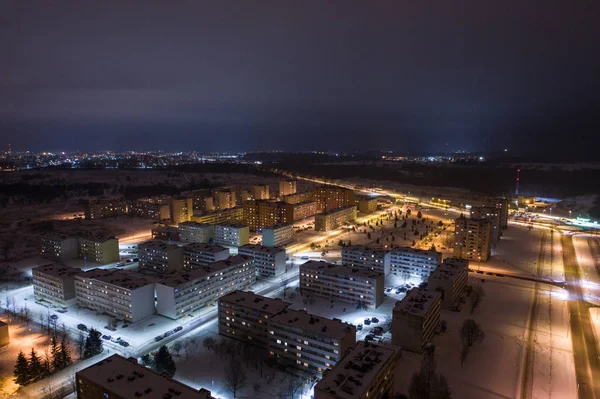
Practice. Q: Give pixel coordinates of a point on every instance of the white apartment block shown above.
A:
(450, 280)
(244, 315)
(413, 262)
(377, 260)
(335, 218)
(160, 257)
(278, 235)
(99, 249)
(232, 234)
(415, 319)
(268, 261)
(121, 294)
(179, 295)
(54, 284)
(58, 247)
(342, 283)
(196, 255)
(309, 342)
(472, 239)
(367, 371)
(196, 232)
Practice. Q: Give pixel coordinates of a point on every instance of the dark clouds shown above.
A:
(222, 75)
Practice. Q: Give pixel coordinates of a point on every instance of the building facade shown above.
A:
(278, 235)
(165, 232)
(294, 212)
(196, 255)
(232, 234)
(181, 209)
(287, 187)
(261, 213)
(155, 208)
(412, 262)
(297, 198)
(450, 280)
(261, 192)
(365, 203)
(196, 232)
(231, 215)
(225, 199)
(268, 261)
(335, 218)
(99, 249)
(374, 259)
(160, 257)
(332, 197)
(54, 285)
(472, 239)
(58, 247)
(415, 319)
(103, 207)
(342, 283)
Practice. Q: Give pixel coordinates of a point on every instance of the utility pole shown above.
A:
(517, 188)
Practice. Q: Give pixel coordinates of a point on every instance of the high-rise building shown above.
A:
(366, 371)
(297, 198)
(119, 378)
(99, 249)
(298, 211)
(244, 315)
(103, 207)
(472, 239)
(58, 247)
(342, 283)
(184, 293)
(155, 208)
(196, 255)
(225, 199)
(231, 215)
(160, 257)
(374, 259)
(490, 213)
(415, 319)
(278, 235)
(309, 342)
(54, 284)
(332, 219)
(165, 232)
(287, 187)
(196, 232)
(246, 196)
(182, 209)
(198, 198)
(268, 261)
(502, 205)
(232, 234)
(332, 197)
(261, 213)
(450, 280)
(261, 192)
(209, 204)
(412, 262)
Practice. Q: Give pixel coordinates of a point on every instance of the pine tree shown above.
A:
(93, 344)
(164, 362)
(56, 355)
(36, 369)
(65, 353)
(21, 373)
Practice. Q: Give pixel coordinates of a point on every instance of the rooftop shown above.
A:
(194, 224)
(205, 270)
(97, 237)
(127, 379)
(364, 249)
(231, 225)
(340, 269)
(416, 302)
(261, 248)
(157, 245)
(53, 235)
(340, 209)
(277, 226)
(416, 251)
(202, 247)
(456, 263)
(352, 375)
(119, 278)
(250, 300)
(56, 270)
(335, 328)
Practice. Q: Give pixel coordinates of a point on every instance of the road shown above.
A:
(585, 350)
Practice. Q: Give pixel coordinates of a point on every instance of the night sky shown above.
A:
(302, 75)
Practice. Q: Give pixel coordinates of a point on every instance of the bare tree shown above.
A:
(292, 388)
(177, 346)
(80, 344)
(284, 286)
(477, 295)
(235, 376)
(470, 333)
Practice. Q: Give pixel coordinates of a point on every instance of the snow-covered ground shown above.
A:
(587, 265)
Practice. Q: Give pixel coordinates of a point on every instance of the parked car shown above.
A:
(377, 331)
(398, 291)
(304, 258)
(106, 337)
(115, 340)
(374, 320)
(158, 338)
(367, 322)
(168, 334)
(54, 317)
(136, 259)
(369, 337)
(124, 343)
(178, 328)
(82, 327)
(359, 327)
(388, 289)
(120, 264)
(61, 310)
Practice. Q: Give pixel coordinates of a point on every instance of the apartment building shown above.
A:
(268, 261)
(165, 232)
(209, 204)
(261, 213)
(342, 283)
(181, 209)
(246, 196)
(366, 371)
(244, 315)
(58, 247)
(297, 198)
(332, 197)
(309, 342)
(99, 249)
(103, 207)
(225, 199)
(54, 284)
(117, 377)
(196, 255)
(277, 235)
(415, 319)
(231, 215)
(155, 208)
(294, 212)
(196, 232)
(365, 203)
(179, 295)
(490, 213)
(331, 220)
(121, 294)
(232, 234)
(261, 192)
(198, 197)
(287, 187)
(374, 259)
(413, 262)
(501, 205)
(472, 239)
(160, 257)
(450, 280)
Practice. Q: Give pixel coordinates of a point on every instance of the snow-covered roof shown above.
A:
(97, 237)
(56, 270)
(157, 245)
(192, 224)
(416, 251)
(261, 248)
(278, 226)
(127, 379)
(231, 225)
(201, 247)
(324, 267)
(205, 270)
(119, 278)
(456, 263)
(250, 300)
(417, 302)
(336, 210)
(331, 328)
(352, 375)
(364, 250)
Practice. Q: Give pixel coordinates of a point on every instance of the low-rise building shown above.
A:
(244, 315)
(181, 209)
(268, 261)
(472, 239)
(309, 342)
(165, 232)
(374, 259)
(342, 283)
(261, 192)
(58, 247)
(179, 295)
(412, 262)
(103, 207)
(335, 218)
(287, 187)
(121, 294)
(230, 215)
(297, 211)
(277, 235)
(160, 257)
(54, 284)
(99, 249)
(119, 378)
(232, 234)
(415, 319)
(367, 371)
(450, 279)
(196, 255)
(365, 203)
(196, 232)
(155, 208)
